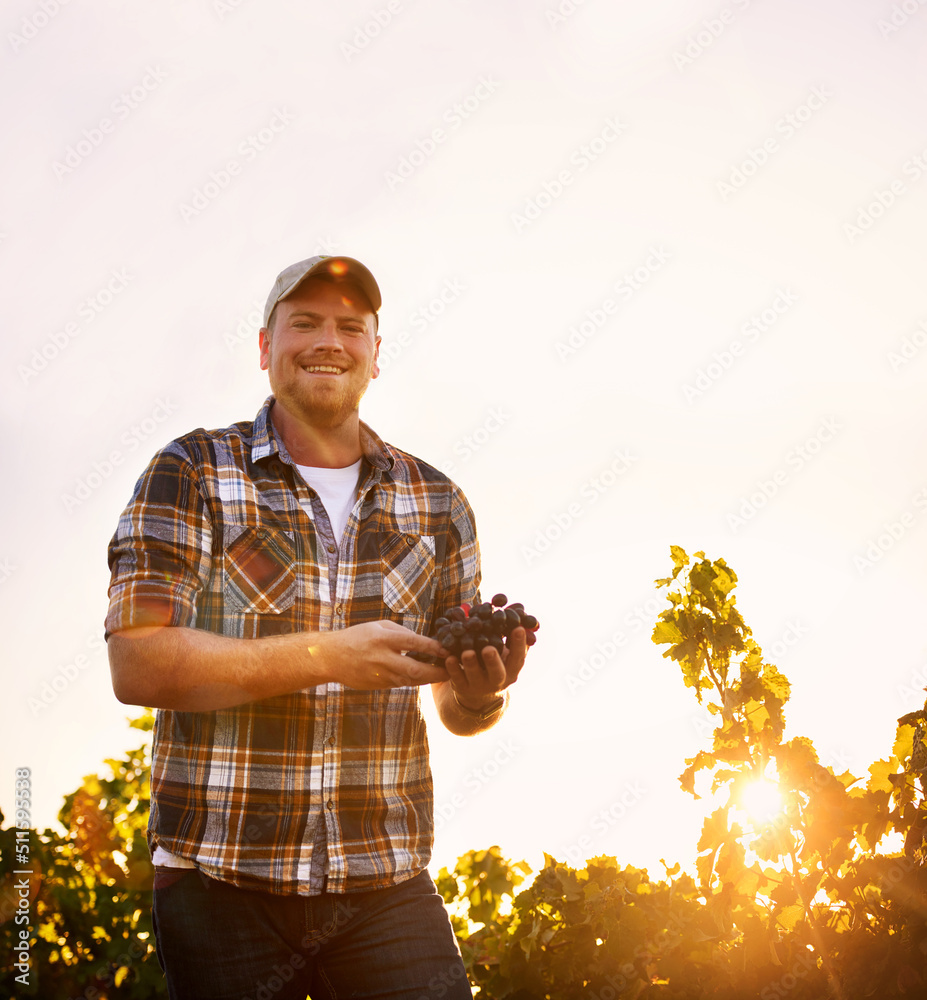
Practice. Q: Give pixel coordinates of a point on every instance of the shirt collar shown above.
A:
(265, 443)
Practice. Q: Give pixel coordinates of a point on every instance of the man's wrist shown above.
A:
(487, 711)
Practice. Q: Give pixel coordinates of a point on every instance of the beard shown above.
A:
(321, 402)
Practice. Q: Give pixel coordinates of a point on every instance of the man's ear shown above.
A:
(264, 342)
(376, 358)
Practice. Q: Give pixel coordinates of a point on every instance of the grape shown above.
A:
(488, 624)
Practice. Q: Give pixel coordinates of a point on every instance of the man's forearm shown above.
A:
(461, 721)
(191, 670)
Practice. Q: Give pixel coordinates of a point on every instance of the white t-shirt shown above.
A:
(337, 489)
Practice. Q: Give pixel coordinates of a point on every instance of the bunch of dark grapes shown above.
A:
(482, 625)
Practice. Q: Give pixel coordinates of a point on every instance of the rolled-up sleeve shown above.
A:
(160, 556)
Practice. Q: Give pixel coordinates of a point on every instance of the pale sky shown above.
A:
(652, 275)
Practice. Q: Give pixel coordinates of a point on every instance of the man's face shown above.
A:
(322, 351)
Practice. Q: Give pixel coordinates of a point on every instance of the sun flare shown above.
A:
(762, 800)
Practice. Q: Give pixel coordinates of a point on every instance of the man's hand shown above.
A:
(371, 657)
(477, 684)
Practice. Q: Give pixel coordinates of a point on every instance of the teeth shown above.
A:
(322, 368)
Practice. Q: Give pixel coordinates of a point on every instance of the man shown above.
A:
(268, 581)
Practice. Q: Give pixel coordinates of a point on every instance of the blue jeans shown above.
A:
(218, 942)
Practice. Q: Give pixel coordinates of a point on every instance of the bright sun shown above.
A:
(762, 801)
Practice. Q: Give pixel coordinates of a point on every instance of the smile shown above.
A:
(322, 369)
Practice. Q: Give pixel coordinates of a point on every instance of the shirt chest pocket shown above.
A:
(408, 565)
(260, 570)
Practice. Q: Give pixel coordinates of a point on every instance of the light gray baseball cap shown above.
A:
(336, 267)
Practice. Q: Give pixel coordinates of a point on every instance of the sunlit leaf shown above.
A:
(789, 916)
(880, 772)
(904, 742)
(776, 683)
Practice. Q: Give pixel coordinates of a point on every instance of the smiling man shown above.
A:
(268, 580)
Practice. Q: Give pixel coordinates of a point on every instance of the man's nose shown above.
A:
(328, 338)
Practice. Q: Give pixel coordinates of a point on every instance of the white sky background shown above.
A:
(175, 347)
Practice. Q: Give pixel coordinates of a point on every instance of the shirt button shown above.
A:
(329, 804)
(410, 540)
(331, 741)
(331, 548)
(339, 610)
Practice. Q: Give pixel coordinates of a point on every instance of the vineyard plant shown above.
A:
(823, 897)
(802, 904)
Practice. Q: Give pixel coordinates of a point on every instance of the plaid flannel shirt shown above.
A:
(328, 788)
